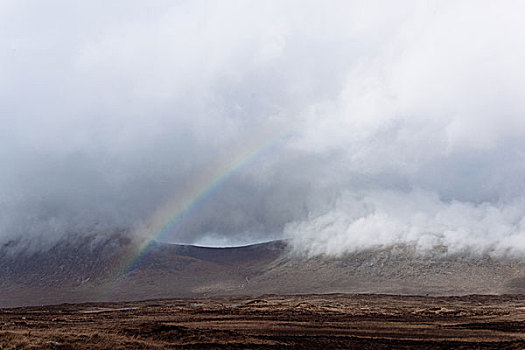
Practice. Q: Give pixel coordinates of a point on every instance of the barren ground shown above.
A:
(272, 322)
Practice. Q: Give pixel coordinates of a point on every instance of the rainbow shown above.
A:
(170, 216)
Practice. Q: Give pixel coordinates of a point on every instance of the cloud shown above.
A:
(110, 110)
(419, 218)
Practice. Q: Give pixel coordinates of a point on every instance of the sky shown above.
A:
(338, 125)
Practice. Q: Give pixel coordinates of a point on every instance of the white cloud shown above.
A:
(381, 219)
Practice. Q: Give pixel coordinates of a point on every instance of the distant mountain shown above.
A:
(91, 269)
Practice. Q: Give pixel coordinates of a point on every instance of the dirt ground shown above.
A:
(334, 321)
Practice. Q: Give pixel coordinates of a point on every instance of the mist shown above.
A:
(389, 123)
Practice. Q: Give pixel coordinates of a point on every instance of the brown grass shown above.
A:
(272, 322)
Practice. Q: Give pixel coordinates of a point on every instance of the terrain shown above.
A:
(335, 321)
(91, 269)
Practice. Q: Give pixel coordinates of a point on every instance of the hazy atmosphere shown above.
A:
(337, 125)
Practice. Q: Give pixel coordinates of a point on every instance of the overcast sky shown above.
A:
(388, 122)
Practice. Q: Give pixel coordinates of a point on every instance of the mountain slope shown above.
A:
(85, 270)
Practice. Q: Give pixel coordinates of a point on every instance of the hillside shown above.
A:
(86, 271)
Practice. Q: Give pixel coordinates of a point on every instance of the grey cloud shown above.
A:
(111, 109)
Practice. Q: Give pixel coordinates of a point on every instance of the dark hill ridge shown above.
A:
(85, 271)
